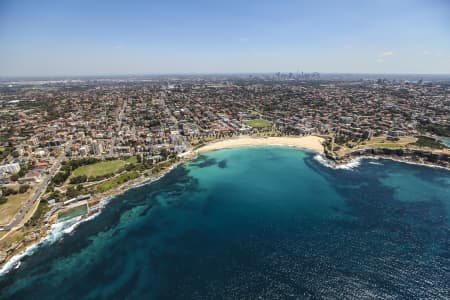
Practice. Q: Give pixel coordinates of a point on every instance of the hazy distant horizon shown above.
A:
(229, 76)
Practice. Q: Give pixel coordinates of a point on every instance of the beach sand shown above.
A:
(305, 142)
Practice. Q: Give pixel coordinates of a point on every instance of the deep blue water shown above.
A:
(257, 223)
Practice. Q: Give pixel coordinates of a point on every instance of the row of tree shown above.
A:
(68, 166)
(6, 191)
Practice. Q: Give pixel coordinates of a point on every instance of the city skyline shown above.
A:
(52, 38)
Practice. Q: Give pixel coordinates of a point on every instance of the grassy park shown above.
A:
(99, 169)
(423, 141)
(382, 142)
(258, 123)
(116, 181)
(374, 143)
(9, 209)
(132, 160)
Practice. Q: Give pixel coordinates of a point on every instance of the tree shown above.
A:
(164, 153)
(55, 195)
(60, 177)
(78, 179)
(74, 191)
(6, 191)
(50, 188)
(71, 192)
(23, 169)
(23, 188)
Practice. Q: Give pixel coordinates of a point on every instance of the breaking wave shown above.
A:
(56, 233)
(347, 166)
(60, 229)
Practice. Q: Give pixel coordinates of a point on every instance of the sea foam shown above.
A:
(347, 166)
(57, 231)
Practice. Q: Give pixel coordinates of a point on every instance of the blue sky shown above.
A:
(179, 36)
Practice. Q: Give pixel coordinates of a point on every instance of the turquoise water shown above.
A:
(256, 223)
(73, 212)
(446, 141)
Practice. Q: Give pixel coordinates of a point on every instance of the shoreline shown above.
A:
(100, 201)
(310, 142)
(355, 162)
(405, 161)
(52, 230)
(423, 157)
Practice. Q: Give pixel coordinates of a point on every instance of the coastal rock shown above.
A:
(3, 256)
(31, 237)
(13, 246)
(412, 155)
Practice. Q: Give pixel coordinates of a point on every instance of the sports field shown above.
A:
(258, 123)
(100, 168)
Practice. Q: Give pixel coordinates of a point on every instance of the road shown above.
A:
(40, 190)
(174, 120)
(119, 126)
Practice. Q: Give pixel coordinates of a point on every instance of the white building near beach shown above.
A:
(9, 168)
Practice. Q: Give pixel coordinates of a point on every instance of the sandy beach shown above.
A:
(313, 143)
(305, 142)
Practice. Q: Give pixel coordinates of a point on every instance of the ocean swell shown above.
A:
(58, 230)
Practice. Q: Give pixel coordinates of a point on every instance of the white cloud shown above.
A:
(243, 39)
(383, 56)
(434, 53)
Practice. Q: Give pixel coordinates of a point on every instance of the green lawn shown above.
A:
(100, 168)
(9, 209)
(388, 145)
(424, 141)
(258, 123)
(116, 181)
(132, 160)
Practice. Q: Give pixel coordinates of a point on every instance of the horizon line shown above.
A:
(212, 73)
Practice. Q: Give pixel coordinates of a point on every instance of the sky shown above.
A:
(86, 37)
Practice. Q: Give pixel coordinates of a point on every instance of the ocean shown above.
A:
(256, 223)
(446, 141)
